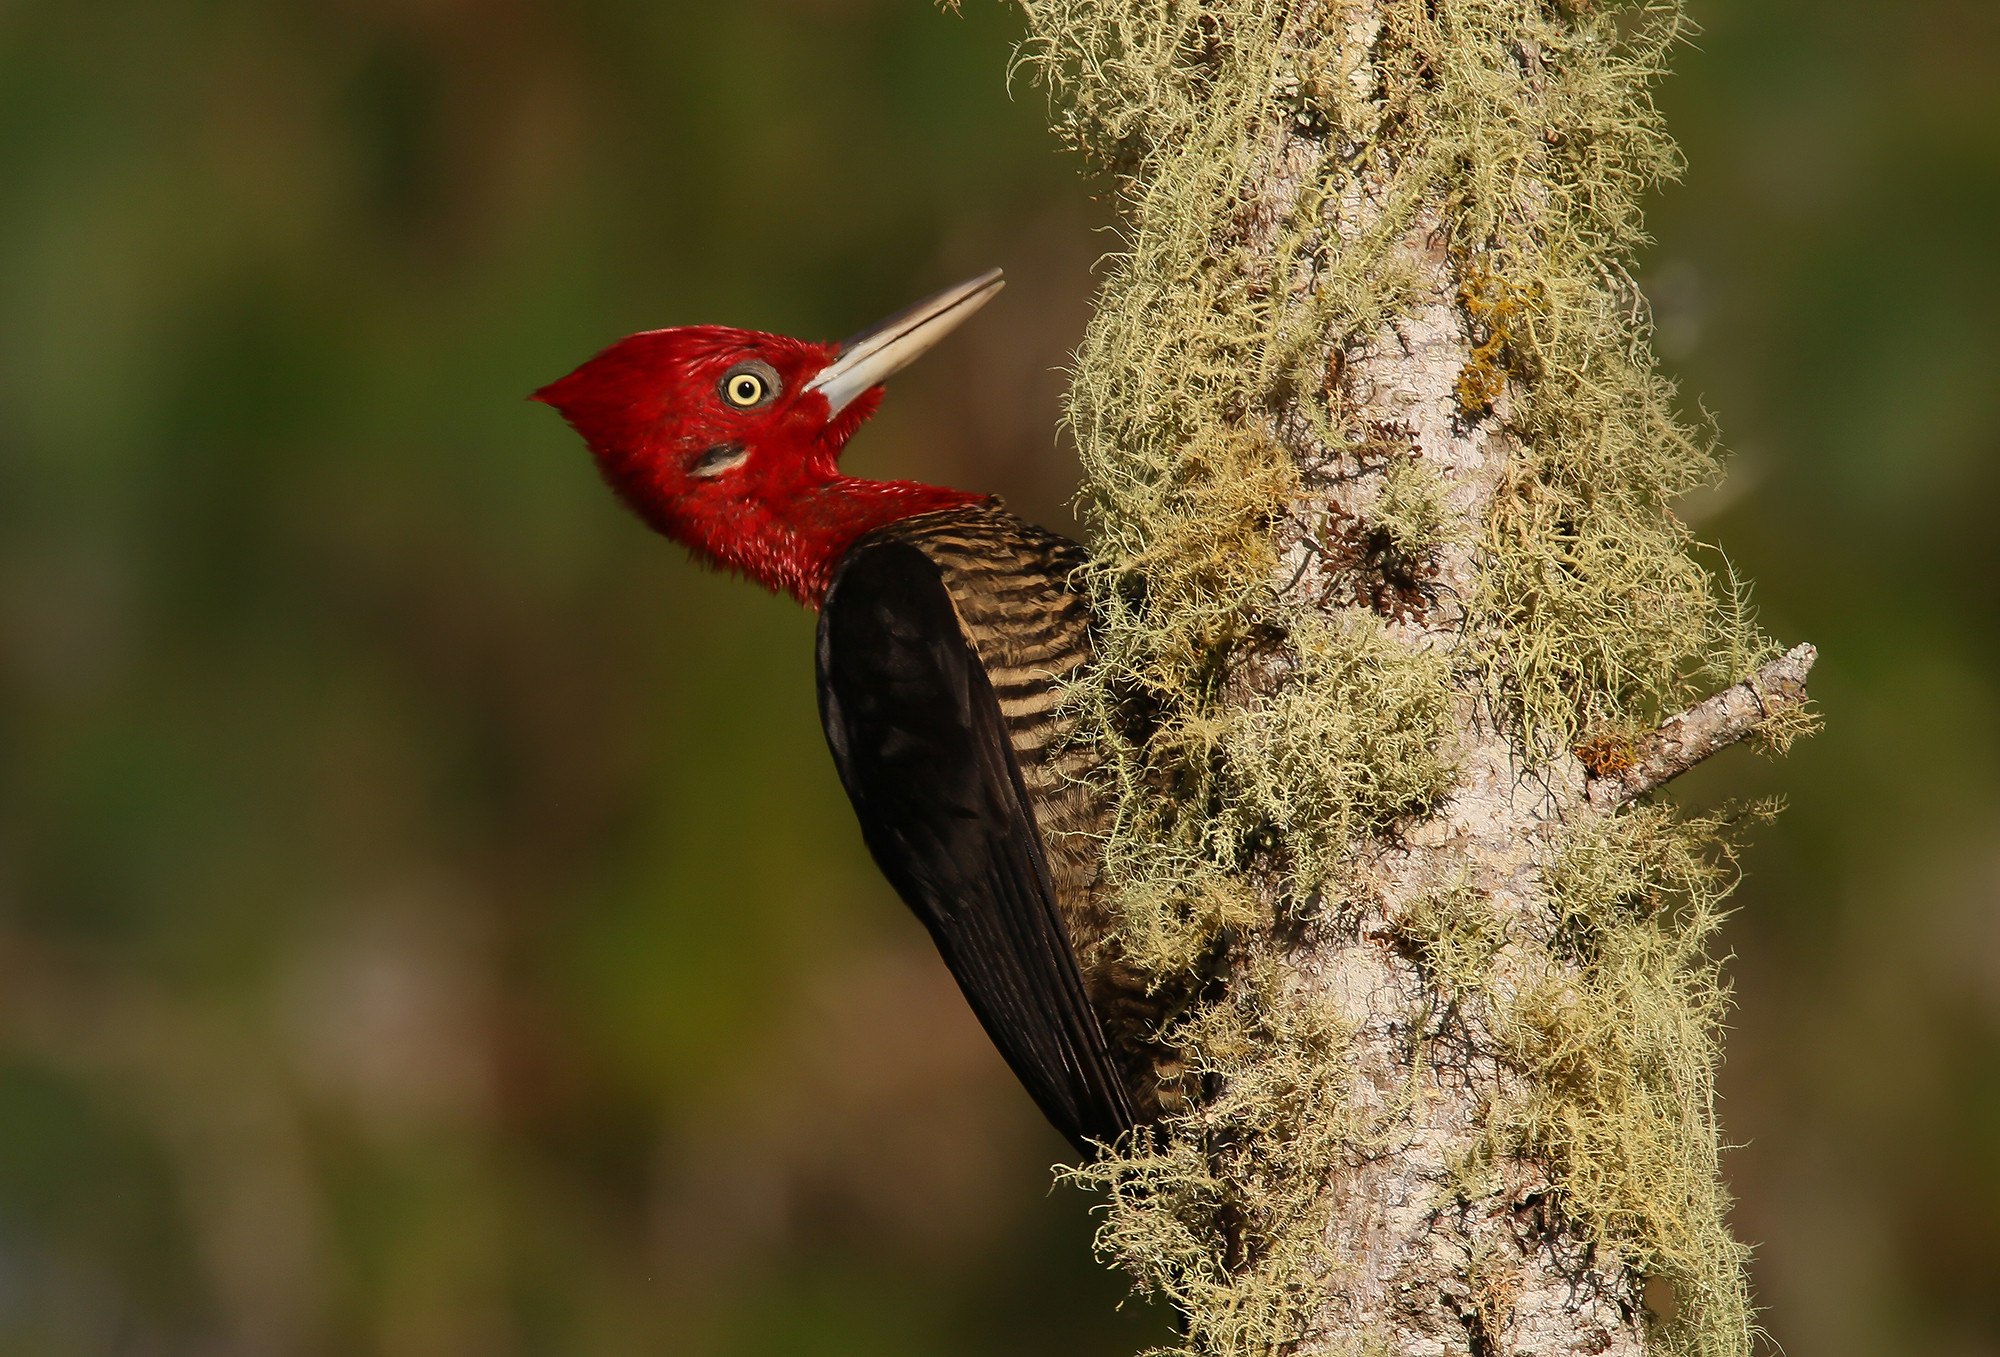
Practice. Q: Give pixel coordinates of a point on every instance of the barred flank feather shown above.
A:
(1021, 601)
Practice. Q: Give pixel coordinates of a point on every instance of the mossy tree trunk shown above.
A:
(1380, 470)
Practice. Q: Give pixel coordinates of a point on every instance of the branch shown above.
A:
(1777, 690)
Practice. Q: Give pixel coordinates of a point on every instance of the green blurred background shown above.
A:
(428, 921)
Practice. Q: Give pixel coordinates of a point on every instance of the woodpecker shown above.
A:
(948, 628)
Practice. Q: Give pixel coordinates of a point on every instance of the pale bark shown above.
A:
(1409, 1259)
(1493, 1279)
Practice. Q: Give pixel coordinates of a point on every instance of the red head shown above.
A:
(728, 441)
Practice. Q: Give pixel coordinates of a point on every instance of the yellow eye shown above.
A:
(749, 385)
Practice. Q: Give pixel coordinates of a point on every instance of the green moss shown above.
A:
(1619, 1036)
(1174, 917)
(1350, 742)
(1221, 1213)
(1454, 934)
(1414, 514)
(1277, 739)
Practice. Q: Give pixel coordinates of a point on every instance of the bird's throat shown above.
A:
(793, 546)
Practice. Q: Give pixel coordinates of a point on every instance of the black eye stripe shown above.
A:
(718, 459)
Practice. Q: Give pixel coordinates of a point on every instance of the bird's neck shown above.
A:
(791, 543)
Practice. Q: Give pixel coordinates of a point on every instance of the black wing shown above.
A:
(918, 738)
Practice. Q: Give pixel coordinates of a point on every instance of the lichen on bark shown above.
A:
(1380, 472)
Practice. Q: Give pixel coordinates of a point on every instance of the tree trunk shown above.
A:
(1396, 615)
